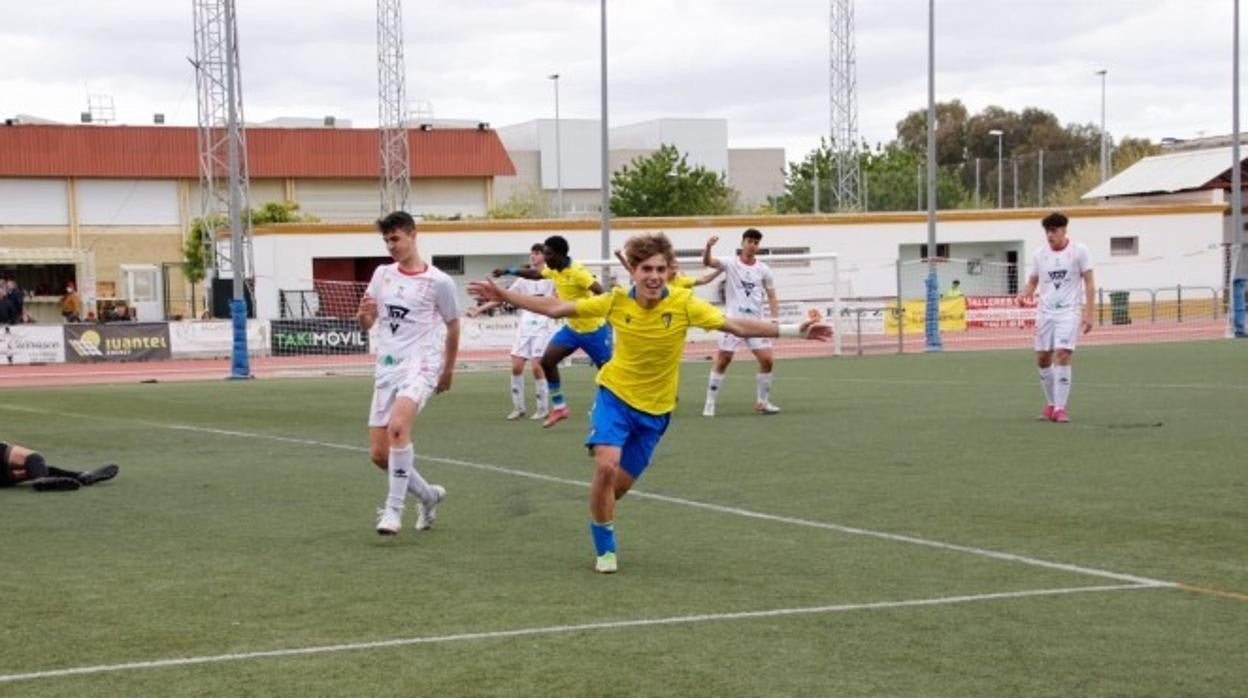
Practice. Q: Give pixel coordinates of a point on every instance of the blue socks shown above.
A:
(604, 537)
(556, 393)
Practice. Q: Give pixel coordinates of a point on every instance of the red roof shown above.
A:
(172, 152)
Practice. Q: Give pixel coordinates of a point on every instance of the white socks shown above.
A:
(763, 381)
(541, 393)
(1061, 389)
(517, 392)
(712, 387)
(404, 478)
(1046, 380)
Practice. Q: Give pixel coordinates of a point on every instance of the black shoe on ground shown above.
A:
(53, 483)
(91, 477)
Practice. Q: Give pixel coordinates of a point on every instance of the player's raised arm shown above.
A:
(750, 327)
(620, 256)
(366, 315)
(708, 278)
(707, 259)
(550, 307)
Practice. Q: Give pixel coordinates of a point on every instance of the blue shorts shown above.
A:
(596, 344)
(614, 423)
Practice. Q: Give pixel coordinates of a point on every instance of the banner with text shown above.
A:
(119, 341)
(316, 336)
(999, 311)
(952, 316)
(31, 344)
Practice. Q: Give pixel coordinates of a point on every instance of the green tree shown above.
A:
(196, 255)
(664, 184)
(892, 175)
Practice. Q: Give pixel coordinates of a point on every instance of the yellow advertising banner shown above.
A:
(952, 316)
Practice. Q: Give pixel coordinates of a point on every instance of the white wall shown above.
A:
(704, 140)
(34, 202)
(580, 153)
(1174, 248)
(128, 202)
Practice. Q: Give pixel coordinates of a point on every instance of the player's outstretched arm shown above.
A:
(521, 272)
(542, 305)
(749, 327)
(708, 278)
(707, 259)
(483, 308)
(624, 261)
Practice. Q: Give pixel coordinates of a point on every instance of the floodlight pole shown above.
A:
(605, 148)
(1237, 197)
(933, 290)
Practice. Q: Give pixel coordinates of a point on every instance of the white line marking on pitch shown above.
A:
(736, 511)
(561, 629)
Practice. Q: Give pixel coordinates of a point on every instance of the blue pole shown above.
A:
(1237, 305)
(239, 366)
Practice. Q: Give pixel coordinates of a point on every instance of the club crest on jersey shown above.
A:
(667, 320)
(748, 288)
(397, 314)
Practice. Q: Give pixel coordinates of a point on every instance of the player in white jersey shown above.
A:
(1062, 272)
(414, 301)
(748, 280)
(532, 333)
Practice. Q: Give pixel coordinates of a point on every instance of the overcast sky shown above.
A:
(761, 64)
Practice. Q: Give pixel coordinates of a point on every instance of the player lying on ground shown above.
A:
(637, 388)
(20, 465)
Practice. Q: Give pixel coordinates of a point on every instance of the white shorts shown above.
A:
(1056, 331)
(530, 346)
(730, 342)
(417, 383)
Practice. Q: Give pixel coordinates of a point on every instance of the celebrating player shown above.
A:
(637, 388)
(413, 299)
(532, 334)
(748, 279)
(1059, 269)
(19, 465)
(591, 335)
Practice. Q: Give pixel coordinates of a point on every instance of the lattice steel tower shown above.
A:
(396, 186)
(846, 186)
(223, 178)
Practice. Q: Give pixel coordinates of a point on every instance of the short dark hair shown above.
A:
(1054, 220)
(399, 220)
(538, 247)
(557, 244)
(752, 234)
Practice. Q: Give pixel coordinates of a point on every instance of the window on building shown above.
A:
(942, 250)
(452, 264)
(1124, 246)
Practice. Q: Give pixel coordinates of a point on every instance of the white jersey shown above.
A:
(412, 312)
(1061, 277)
(534, 324)
(744, 285)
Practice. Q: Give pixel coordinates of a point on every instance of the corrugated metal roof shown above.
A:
(162, 152)
(1166, 174)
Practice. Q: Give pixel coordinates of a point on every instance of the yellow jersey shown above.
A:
(572, 284)
(682, 281)
(645, 364)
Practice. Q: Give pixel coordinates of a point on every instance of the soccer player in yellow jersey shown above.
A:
(591, 335)
(637, 388)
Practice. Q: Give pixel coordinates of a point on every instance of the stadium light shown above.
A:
(554, 77)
